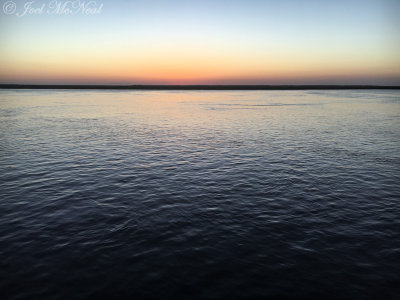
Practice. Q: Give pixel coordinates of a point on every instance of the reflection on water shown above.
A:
(190, 194)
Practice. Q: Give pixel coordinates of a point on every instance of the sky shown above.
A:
(200, 42)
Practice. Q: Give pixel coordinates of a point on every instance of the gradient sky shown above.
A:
(205, 42)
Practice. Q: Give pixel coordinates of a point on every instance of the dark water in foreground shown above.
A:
(191, 194)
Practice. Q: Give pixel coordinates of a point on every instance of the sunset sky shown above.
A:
(203, 42)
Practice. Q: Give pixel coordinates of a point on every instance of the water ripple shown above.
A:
(185, 195)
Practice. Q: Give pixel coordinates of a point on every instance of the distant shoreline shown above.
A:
(197, 87)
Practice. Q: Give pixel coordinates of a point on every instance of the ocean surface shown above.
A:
(200, 194)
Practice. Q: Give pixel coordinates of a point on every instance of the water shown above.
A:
(199, 194)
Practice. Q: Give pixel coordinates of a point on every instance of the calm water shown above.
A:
(199, 194)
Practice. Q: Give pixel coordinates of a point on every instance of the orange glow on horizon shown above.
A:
(187, 69)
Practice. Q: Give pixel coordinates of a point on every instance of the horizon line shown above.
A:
(198, 86)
